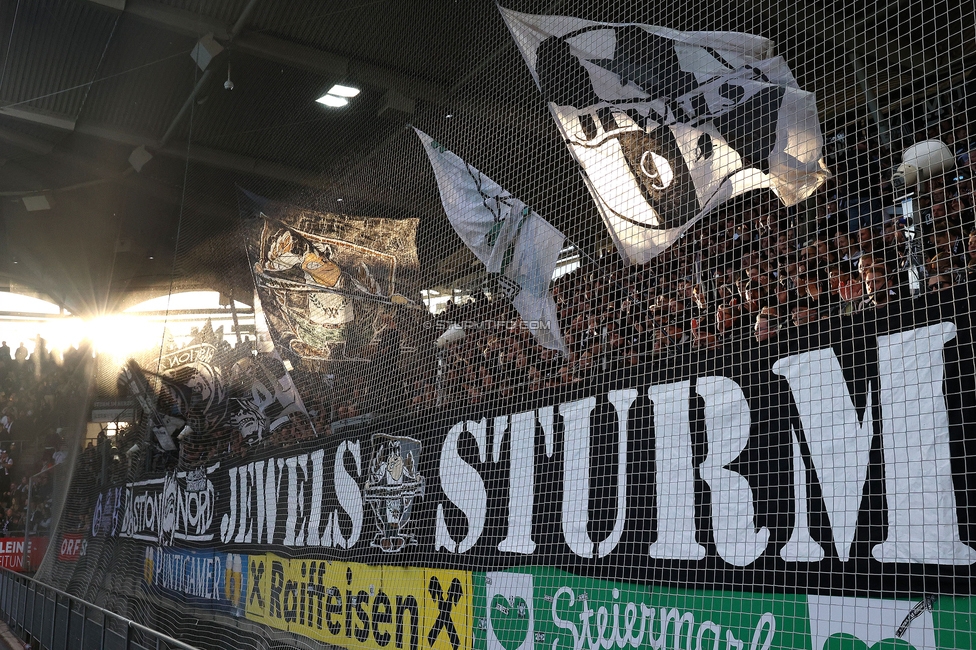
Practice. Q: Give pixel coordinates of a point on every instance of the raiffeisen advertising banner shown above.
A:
(359, 606)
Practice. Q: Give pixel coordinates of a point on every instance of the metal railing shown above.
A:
(56, 620)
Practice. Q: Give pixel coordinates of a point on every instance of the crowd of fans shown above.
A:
(753, 268)
(747, 274)
(34, 388)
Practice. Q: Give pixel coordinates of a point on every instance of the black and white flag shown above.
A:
(506, 235)
(667, 125)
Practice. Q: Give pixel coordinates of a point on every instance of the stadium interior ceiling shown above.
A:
(86, 83)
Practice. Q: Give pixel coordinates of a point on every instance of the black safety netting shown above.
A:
(585, 324)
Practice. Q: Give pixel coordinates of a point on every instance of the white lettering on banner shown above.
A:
(733, 514)
(296, 502)
(70, 546)
(178, 506)
(521, 482)
(317, 459)
(349, 495)
(187, 574)
(801, 547)
(911, 372)
(244, 533)
(576, 473)
(463, 487)
(840, 446)
(922, 521)
(267, 488)
(632, 624)
(676, 530)
(255, 490)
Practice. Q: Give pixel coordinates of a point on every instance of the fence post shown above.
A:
(26, 561)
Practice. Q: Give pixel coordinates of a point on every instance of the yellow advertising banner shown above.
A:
(361, 606)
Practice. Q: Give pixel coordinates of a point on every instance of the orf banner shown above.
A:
(70, 549)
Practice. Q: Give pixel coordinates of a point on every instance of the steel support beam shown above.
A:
(38, 116)
(272, 48)
(211, 157)
(26, 142)
(215, 158)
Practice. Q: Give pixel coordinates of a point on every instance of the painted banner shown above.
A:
(325, 279)
(842, 458)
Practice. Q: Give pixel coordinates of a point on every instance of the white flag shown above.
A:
(506, 235)
(667, 125)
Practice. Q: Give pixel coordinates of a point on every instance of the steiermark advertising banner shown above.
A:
(546, 608)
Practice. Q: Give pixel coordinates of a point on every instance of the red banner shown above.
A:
(70, 547)
(12, 552)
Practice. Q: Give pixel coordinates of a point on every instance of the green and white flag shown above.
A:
(506, 235)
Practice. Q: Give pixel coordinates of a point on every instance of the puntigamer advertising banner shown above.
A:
(818, 478)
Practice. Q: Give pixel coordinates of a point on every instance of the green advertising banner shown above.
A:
(536, 608)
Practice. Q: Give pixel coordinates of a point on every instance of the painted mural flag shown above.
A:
(325, 279)
(511, 239)
(667, 125)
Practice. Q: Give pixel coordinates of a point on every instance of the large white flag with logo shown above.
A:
(667, 125)
(511, 239)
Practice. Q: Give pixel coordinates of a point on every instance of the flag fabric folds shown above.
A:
(506, 235)
(667, 125)
(324, 279)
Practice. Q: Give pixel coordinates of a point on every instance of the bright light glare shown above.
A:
(332, 100)
(184, 300)
(343, 91)
(62, 334)
(121, 336)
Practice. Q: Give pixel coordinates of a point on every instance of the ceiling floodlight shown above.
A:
(35, 203)
(343, 91)
(333, 101)
(139, 157)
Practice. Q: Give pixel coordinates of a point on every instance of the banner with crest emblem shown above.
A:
(206, 390)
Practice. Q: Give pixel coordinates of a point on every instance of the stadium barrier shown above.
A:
(52, 619)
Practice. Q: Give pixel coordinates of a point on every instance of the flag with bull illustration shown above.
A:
(667, 125)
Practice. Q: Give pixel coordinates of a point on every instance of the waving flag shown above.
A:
(506, 235)
(667, 125)
(323, 279)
